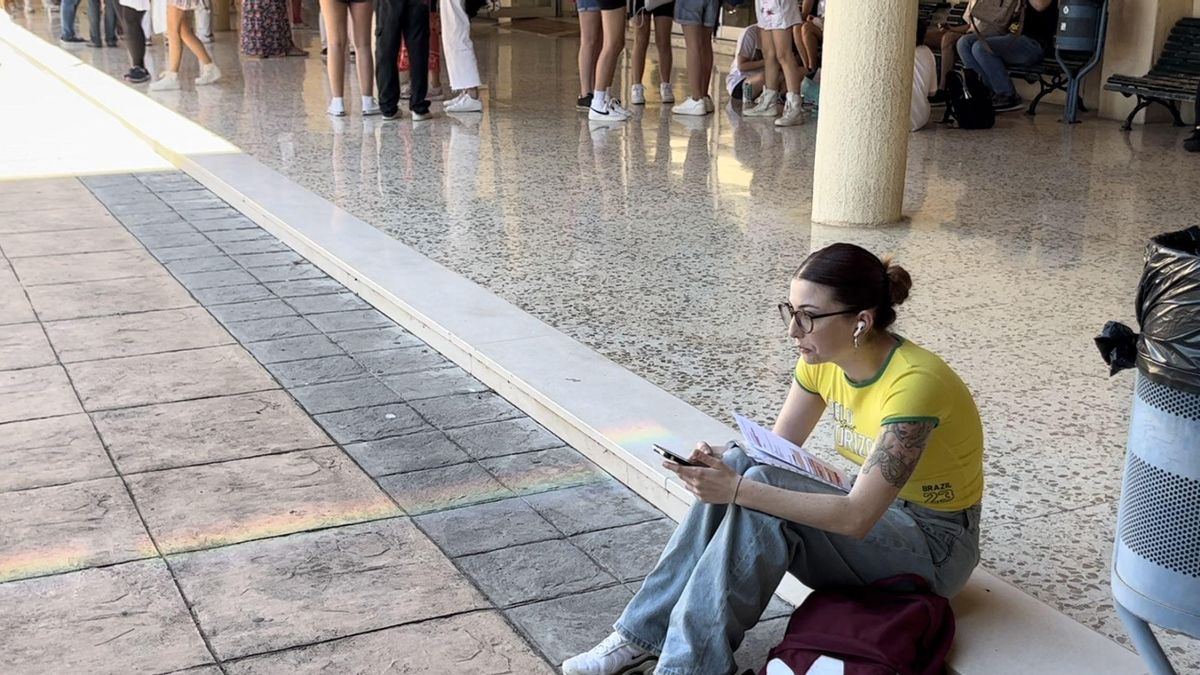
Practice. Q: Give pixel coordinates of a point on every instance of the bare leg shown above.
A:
(782, 39)
(188, 38)
(698, 42)
(662, 41)
(949, 54)
(364, 56)
(614, 41)
(175, 16)
(770, 63)
(334, 12)
(641, 42)
(591, 33)
(810, 37)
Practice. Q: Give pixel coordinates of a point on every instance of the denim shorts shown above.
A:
(598, 5)
(697, 12)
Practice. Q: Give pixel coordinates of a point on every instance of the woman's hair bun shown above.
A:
(899, 281)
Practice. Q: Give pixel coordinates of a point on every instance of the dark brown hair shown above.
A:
(859, 279)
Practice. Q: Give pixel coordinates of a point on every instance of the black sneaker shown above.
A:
(72, 42)
(1007, 103)
(583, 103)
(939, 98)
(96, 45)
(1192, 143)
(137, 75)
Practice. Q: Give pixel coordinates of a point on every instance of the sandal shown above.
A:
(295, 51)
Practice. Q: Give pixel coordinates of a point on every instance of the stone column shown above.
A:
(862, 135)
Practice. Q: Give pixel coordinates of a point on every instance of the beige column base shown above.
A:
(862, 135)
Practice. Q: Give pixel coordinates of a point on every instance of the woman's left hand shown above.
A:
(711, 480)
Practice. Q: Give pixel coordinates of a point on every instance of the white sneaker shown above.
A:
(637, 94)
(168, 81)
(206, 39)
(612, 112)
(708, 104)
(613, 656)
(421, 117)
(793, 113)
(691, 107)
(765, 107)
(336, 109)
(372, 108)
(464, 104)
(668, 94)
(208, 75)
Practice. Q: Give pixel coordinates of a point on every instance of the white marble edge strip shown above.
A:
(509, 350)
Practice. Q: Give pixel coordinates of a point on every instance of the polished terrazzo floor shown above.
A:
(665, 245)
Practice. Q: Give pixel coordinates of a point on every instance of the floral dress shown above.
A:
(266, 29)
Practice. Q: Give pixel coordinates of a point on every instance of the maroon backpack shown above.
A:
(895, 625)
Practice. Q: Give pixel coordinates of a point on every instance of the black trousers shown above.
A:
(407, 19)
(135, 39)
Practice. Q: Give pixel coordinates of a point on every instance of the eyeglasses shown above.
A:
(804, 319)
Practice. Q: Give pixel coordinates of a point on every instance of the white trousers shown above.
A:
(204, 22)
(457, 49)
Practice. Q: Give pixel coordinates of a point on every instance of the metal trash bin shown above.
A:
(1156, 555)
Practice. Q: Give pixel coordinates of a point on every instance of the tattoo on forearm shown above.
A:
(898, 450)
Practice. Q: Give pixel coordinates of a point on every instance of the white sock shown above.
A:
(368, 101)
(337, 103)
(600, 100)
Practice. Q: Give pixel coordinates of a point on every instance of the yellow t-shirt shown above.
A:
(913, 385)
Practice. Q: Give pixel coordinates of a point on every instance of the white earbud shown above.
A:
(858, 330)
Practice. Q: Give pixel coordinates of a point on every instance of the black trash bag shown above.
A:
(1168, 311)
(1118, 346)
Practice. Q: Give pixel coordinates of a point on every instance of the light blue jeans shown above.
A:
(67, 10)
(1006, 50)
(718, 572)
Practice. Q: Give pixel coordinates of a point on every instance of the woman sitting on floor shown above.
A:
(901, 413)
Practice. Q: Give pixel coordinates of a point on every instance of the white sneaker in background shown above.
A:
(613, 656)
(691, 106)
(464, 104)
(765, 107)
(168, 81)
(667, 93)
(637, 94)
(206, 39)
(612, 112)
(208, 74)
(793, 112)
(337, 108)
(370, 106)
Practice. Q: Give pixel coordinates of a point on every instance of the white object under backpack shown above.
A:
(825, 665)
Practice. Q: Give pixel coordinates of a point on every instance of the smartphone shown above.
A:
(670, 456)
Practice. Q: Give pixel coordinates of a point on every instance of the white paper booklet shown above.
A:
(769, 448)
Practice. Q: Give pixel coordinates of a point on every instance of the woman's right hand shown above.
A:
(707, 449)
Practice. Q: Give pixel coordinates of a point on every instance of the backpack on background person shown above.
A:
(990, 18)
(969, 103)
(893, 626)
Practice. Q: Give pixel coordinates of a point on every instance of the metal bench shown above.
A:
(1173, 78)
(1050, 76)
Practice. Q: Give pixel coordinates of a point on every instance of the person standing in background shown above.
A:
(67, 11)
(661, 18)
(266, 30)
(459, 52)
(133, 12)
(179, 33)
(336, 14)
(407, 20)
(105, 19)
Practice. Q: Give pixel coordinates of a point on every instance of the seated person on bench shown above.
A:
(901, 413)
(1000, 46)
(944, 38)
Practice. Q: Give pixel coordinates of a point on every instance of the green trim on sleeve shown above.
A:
(796, 377)
(898, 419)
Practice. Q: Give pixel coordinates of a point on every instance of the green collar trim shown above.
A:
(886, 362)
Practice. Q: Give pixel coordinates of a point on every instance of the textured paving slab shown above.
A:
(471, 643)
(504, 438)
(280, 593)
(207, 430)
(24, 346)
(21, 216)
(123, 619)
(532, 572)
(92, 240)
(36, 392)
(368, 424)
(162, 378)
(567, 626)
(400, 361)
(426, 450)
(449, 412)
(50, 451)
(544, 470)
(55, 529)
(434, 383)
(592, 507)
(14, 307)
(65, 269)
(230, 502)
(630, 552)
(316, 371)
(449, 487)
(135, 334)
(104, 298)
(486, 527)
